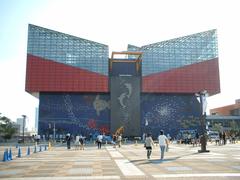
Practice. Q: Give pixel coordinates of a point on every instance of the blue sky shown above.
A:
(115, 23)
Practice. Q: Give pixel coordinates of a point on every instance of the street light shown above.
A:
(24, 118)
(54, 132)
(203, 105)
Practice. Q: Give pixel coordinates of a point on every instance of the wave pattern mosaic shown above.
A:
(90, 113)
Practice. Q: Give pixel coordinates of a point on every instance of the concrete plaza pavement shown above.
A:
(127, 162)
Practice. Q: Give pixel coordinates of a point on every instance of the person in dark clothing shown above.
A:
(114, 140)
(68, 139)
(220, 138)
(224, 138)
(81, 140)
(196, 141)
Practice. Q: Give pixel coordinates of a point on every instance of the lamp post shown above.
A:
(24, 118)
(54, 133)
(203, 105)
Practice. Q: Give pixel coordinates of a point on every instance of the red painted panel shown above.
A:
(188, 79)
(50, 76)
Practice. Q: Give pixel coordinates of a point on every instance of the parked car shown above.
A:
(20, 140)
(107, 139)
(186, 136)
(213, 136)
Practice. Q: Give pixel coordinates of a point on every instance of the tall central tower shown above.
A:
(125, 89)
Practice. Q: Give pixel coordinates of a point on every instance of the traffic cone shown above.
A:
(5, 155)
(28, 151)
(10, 155)
(19, 152)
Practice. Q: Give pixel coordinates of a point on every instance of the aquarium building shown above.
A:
(82, 89)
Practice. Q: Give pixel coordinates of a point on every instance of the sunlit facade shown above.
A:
(70, 76)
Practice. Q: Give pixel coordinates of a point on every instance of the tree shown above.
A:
(217, 127)
(234, 127)
(7, 129)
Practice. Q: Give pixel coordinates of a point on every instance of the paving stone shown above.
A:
(178, 168)
(182, 160)
(10, 172)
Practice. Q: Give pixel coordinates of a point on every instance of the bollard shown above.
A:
(10, 154)
(40, 148)
(28, 151)
(19, 152)
(45, 147)
(5, 155)
(16, 146)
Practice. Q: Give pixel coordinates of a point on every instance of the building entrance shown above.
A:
(125, 89)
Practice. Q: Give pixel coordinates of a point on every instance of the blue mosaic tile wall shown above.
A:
(74, 113)
(170, 113)
(90, 113)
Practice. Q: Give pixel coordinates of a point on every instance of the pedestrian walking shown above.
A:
(196, 139)
(220, 138)
(77, 143)
(163, 143)
(224, 138)
(99, 141)
(144, 137)
(90, 137)
(68, 139)
(148, 145)
(114, 141)
(119, 140)
(81, 140)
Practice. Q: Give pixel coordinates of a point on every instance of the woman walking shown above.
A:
(149, 144)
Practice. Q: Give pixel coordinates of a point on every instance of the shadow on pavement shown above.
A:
(159, 161)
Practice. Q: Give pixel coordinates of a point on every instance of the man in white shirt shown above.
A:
(77, 143)
(163, 142)
(99, 141)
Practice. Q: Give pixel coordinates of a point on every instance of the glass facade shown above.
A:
(175, 53)
(67, 49)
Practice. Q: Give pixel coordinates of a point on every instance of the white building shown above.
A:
(21, 123)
